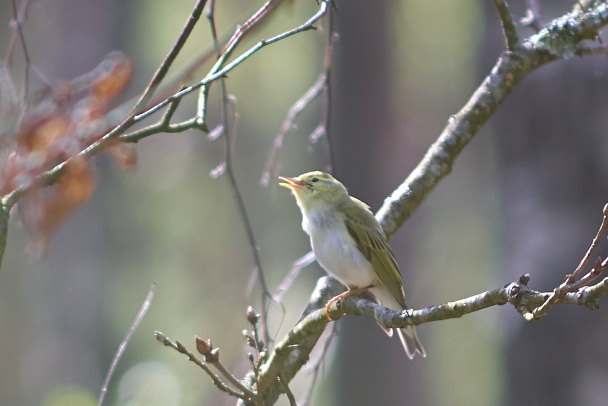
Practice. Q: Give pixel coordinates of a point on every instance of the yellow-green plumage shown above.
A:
(350, 245)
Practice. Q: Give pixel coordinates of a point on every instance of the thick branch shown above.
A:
(510, 68)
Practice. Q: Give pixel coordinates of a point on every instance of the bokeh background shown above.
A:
(525, 197)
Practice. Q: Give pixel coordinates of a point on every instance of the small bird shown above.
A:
(350, 245)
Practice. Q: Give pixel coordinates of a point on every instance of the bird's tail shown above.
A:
(410, 341)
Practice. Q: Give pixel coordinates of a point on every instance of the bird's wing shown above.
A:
(371, 242)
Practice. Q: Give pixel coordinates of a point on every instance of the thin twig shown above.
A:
(239, 34)
(332, 37)
(121, 349)
(232, 379)
(4, 220)
(18, 19)
(308, 25)
(534, 15)
(508, 25)
(293, 273)
(179, 347)
(316, 367)
(162, 70)
(321, 85)
(292, 114)
(288, 392)
(258, 270)
(571, 282)
(596, 240)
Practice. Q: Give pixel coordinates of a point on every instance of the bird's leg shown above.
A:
(341, 296)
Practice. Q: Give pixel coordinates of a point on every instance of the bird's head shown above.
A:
(314, 190)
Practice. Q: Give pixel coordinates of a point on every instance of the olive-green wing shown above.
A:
(369, 238)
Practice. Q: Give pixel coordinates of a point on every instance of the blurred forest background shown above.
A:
(525, 197)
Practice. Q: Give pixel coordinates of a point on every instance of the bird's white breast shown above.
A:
(335, 251)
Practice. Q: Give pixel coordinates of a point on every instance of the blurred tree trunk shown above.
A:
(369, 366)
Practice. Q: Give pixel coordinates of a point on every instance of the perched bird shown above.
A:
(350, 245)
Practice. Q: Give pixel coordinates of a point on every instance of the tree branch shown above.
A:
(508, 25)
(179, 347)
(534, 16)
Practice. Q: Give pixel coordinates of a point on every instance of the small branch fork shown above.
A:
(232, 386)
(573, 282)
(211, 358)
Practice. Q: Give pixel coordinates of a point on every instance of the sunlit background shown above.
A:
(524, 197)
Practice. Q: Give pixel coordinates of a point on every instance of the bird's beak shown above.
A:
(291, 183)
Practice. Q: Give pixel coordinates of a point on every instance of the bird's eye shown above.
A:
(315, 179)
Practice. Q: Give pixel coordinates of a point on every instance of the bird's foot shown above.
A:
(342, 296)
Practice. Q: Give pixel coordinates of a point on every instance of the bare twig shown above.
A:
(508, 25)
(517, 293)
(572, 283)
(232, 379)
(292, 114)
(253, 248)
(316, 367)
(121, 349)
(293, 273)
(534, 16)
(437, 163)
(332, 37)
(162, 70)
(321, 85)
(288, 392)
(308, 25)
(18, 19)
(596, 240)
(240, 33)
(179, 347)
